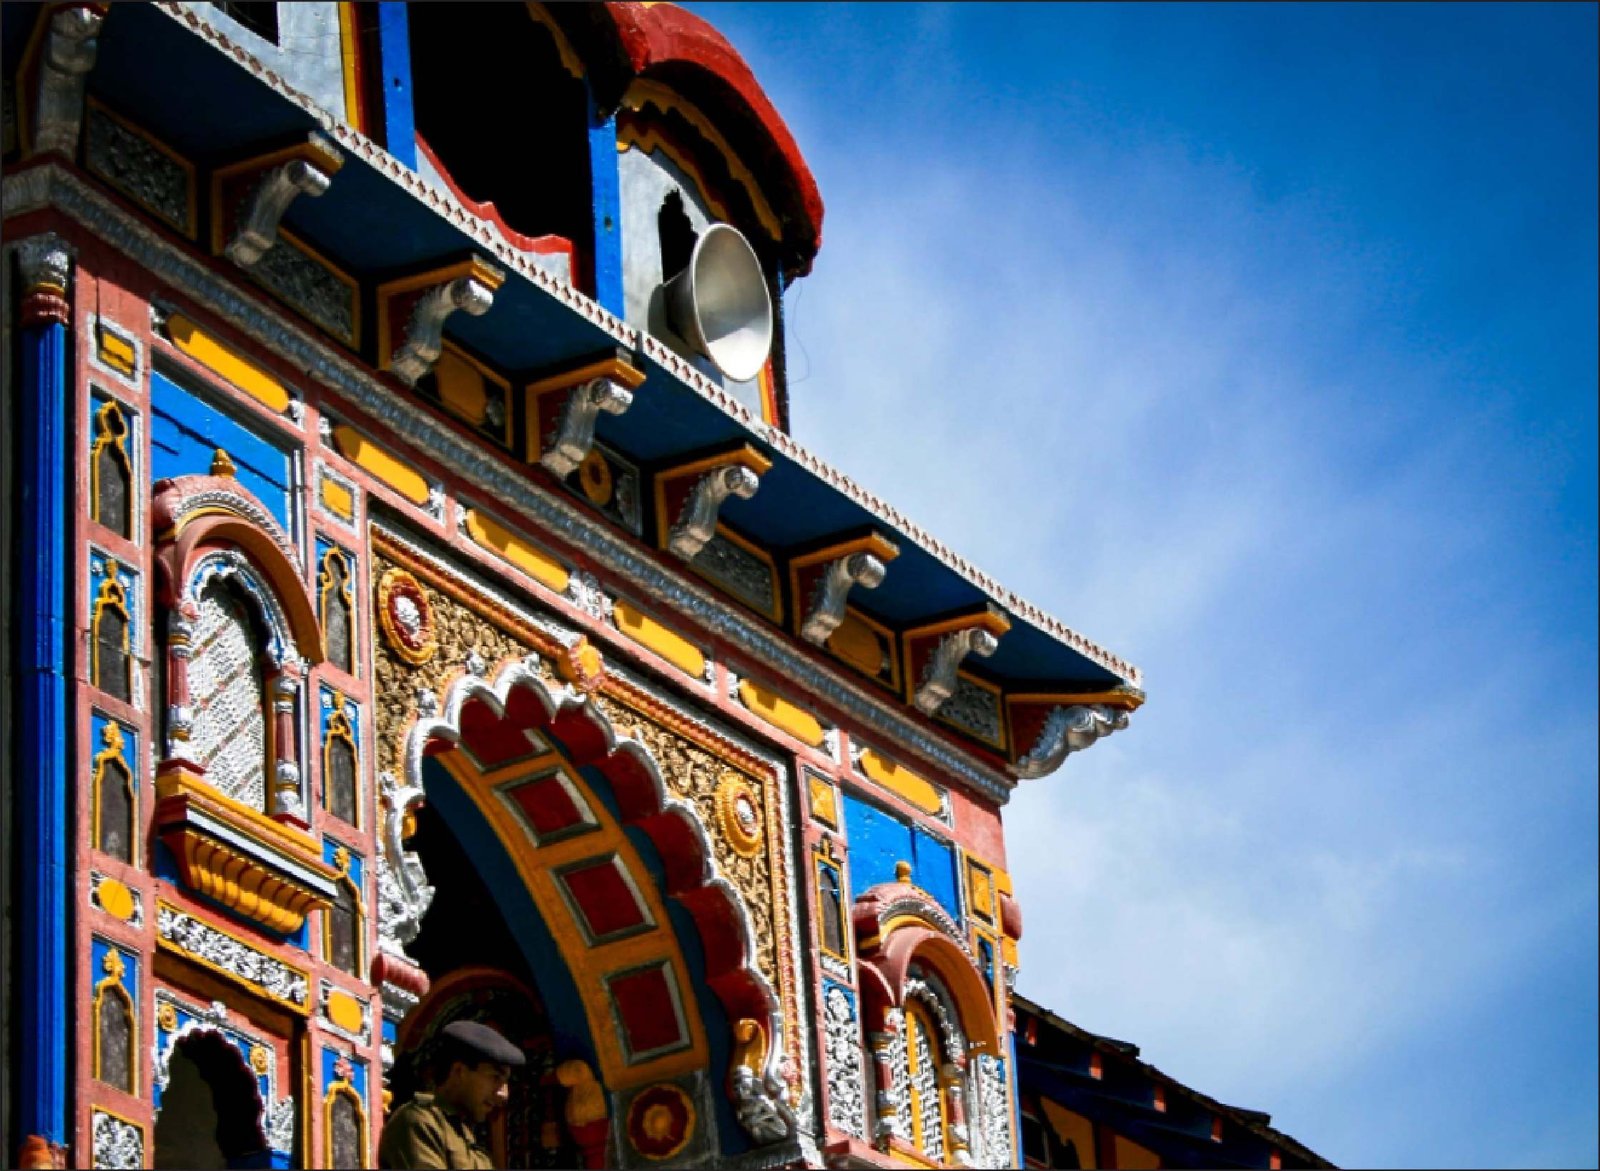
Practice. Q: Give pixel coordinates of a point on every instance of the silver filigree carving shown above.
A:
(46, 261)
(70, 51)
(425, 331)
(403, 891)
(762, 1104)
(589, 595)
(311, 287)
(994, 1112)
(136, 167)
(280, 1125)
(973, 708)
(697, 523)
(257, 230)
(243, 962)
(740, 572)
(117, 1143)
(574, 433)
(1067, 730)
(939, 676)
(833, 965)
(842, 1050)
(833, 589)
(427, 702)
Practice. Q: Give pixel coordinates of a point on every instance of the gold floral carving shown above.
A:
(739, 813)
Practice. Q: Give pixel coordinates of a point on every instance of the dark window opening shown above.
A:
(114, 1041)
(114, 812)
(345, 1127)
(677, 236)
(111, 664)
(113, 474)
(210, 1109)
(336, 624)
(340, 783)
(344, 932)
(1035, 1143)
(261, 19)
(832, 910)
(502, 115)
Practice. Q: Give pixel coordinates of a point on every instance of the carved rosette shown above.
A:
(406, 617)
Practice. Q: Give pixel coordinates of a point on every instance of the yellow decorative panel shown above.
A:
(901, 780)
(781, 714)
(1131, 1154)
(338, 499)
(227, 363)
(345, 1011)
(824, 802)
(526, 556)
(361, 451)
(116, 351)
(116, 898)
(1072, 1128)
(649, 633)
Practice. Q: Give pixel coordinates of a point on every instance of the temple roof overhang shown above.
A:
(211, 100)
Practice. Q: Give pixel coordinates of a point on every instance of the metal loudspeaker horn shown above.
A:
(719, 304)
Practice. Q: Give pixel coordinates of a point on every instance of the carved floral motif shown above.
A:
(189, 935)
(117, 1143)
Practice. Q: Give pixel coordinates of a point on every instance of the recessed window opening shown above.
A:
(677, 236)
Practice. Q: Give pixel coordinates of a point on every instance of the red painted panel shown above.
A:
(645, 1005)
(548, 805)
(601, 891)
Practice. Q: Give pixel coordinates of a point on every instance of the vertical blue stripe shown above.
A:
(43, 595)
(607, 193)
(394, 59)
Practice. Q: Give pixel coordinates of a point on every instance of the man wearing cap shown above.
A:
(437, 1130)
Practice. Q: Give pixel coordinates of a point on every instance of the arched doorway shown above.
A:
(210, 1109)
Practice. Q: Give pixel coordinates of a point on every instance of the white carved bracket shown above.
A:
(46, 263)
(939, 676)
(425, 332)
(574, 434)
(697, 524)
(70, 53)
(1067, 730)
(833, 588)
(258, 228)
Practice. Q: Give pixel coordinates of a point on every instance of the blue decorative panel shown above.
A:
(331, 1072)
(128, 753)
(98, 950)
(185, 432)
(330, 850)
(103, 566)
(351, 713)
(878, 840)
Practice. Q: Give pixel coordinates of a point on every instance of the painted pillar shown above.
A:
(43, 645)
(606, 188)
(394, 60)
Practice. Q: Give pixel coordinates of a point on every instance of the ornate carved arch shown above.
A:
(519, 701)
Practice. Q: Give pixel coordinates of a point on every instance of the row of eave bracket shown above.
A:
(252, 198)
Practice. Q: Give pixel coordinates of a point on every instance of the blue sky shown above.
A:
(1259, 344)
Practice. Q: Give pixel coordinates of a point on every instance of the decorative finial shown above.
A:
(222, 464)
(902, 872)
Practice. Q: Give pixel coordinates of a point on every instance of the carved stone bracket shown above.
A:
(70, 51)
(951, 642)
(1067, 730)
(46, 264)
(308, 172)
(574, 433)
(419, 306)
(833, 588)
(697, 523)
(692, 495)
(563, 408)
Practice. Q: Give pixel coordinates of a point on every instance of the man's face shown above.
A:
(479, 1090)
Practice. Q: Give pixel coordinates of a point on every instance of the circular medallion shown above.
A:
(406, 617)
(260, 1059)
(166, 1017)
(594, 476)
(739, 812)
(660, 1121)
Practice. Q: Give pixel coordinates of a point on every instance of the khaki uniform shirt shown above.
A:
(423, 1134)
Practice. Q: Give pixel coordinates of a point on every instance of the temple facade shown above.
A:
(417, 609)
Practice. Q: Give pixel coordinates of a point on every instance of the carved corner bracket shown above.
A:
(935, 652)
(417, 307)
(61, 69)
(1055, 726)
(564, 407)
(252, 197)
(692, 494)
(825, 577)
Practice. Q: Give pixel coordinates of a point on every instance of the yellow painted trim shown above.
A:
(744, 454)
(898, 779)
(445, 384)
(112, 986)
(782, 714)
(990, 619)
(115, 350)
(1122, 699)
(615, 369)
(242, 819)
(569, 59)
(361, 451)
(644, 92)
(346, 1011)
(524, 554)
(649, 633)
(191, 188)
(115, 899)
(216, 925)
(227, 363)
(347, 65)
(823, 799)
(1072, 1127)
(342, 1087)
(337, 498)
(874, 543)
(476, 268)
(110, 597)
